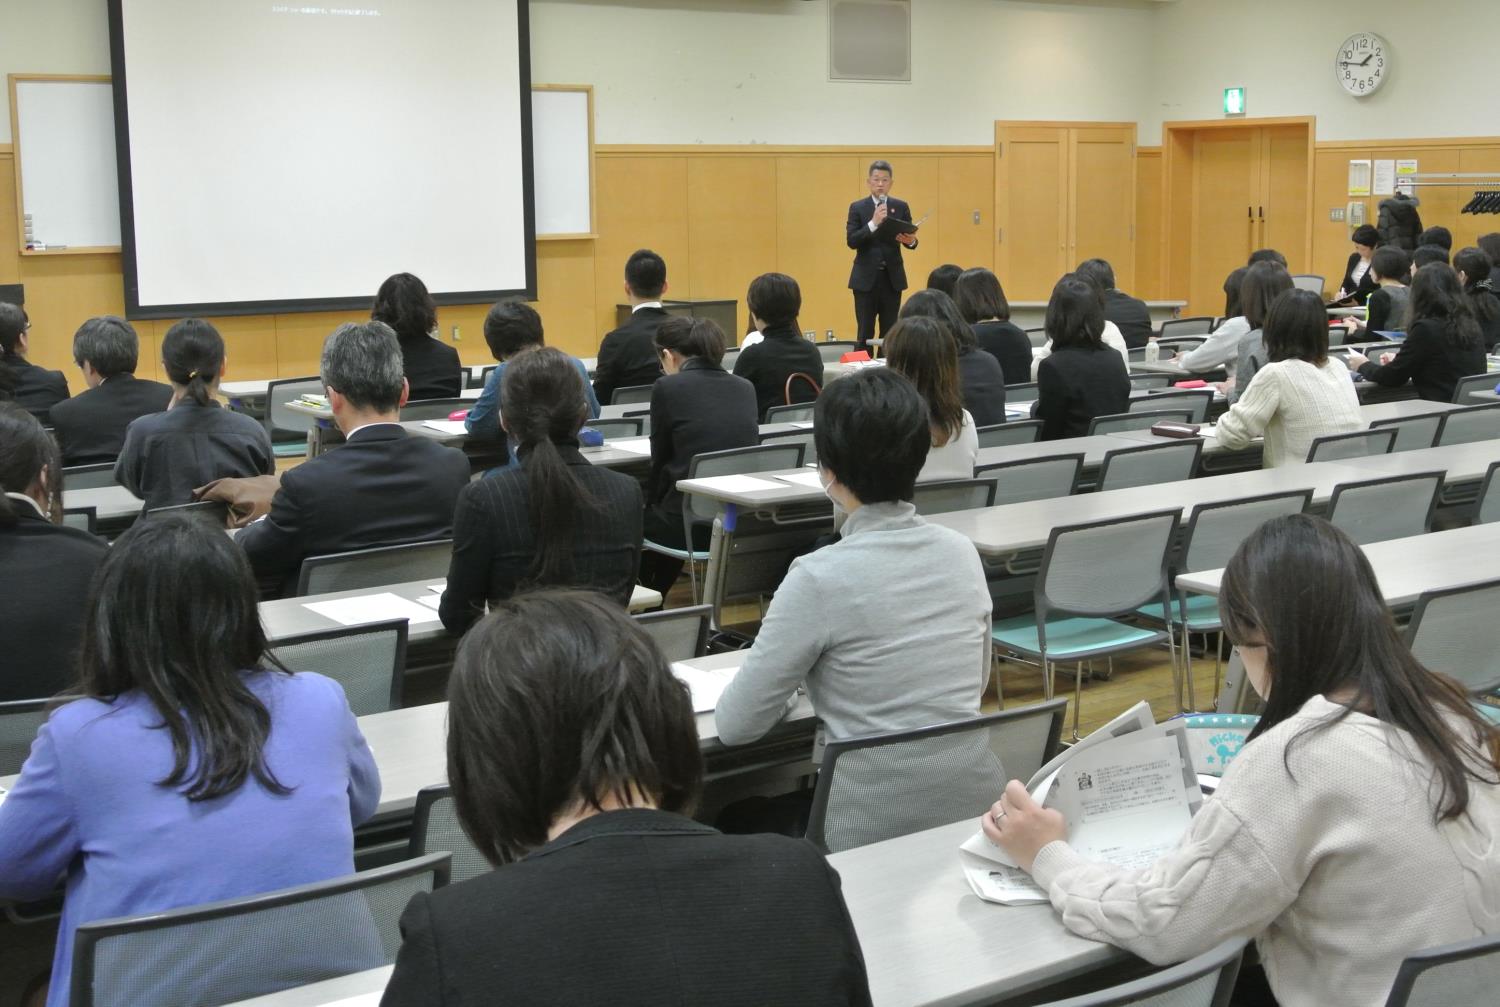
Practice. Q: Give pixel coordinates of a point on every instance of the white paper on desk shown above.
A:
(1018, 412)
(809, 479)
(802, 424)
(706, 684)
(371, 608)
(737, 484)
(634, 445)
(447, 426)
(432, 601)
(1124, 802)
(363, 1000)
(1009, 886)
(439, 587)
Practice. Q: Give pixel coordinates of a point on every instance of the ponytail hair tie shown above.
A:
(192, 375)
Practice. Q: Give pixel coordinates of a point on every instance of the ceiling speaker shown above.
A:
(869, 40)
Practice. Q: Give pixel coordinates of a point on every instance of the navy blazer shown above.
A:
(628, 355)
(168, 455)
(699, 409)
(432, 368)
(91, 425)
(874, 250)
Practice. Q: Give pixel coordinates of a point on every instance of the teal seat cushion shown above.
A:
(1071, 636)
(1491, 712)
(1202, 612)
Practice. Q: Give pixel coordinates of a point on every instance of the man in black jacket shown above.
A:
(381, 487)
(33, 388)
(1130, 315)
(878, 275)
(91, 426)
(627, 356)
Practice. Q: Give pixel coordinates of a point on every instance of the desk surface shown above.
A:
(109, 502)
(1462, 462)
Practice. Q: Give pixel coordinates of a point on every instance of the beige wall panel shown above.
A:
(640, 202)
(731, 228)
(1149, 222)
(813, 194)
(966, 185)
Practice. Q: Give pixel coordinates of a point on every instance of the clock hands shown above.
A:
(1363, 62)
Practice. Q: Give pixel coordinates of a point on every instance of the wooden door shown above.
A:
(1282, 211)
(1226, 184)
(1031, 209)
(1102, 179)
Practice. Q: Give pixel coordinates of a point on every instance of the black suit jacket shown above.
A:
(493, 544)
(1429, 360)
(432, 368)
(36, 389)
(382, 486)
(1357, 293)
(701, 408)
(632, 908)
(1131, 317)
(1074, 385)
(875, 249)
(780, 354)
(628, 355)
(983, 386)
(1010, 345)
(47, 568)
(91, 426)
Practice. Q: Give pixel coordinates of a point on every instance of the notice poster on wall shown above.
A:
(1406, 168)
(1359, 178)
(1385, 178)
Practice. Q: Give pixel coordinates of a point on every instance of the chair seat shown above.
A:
(289, 449)
(1202, 613)
(1072, 638)
(686, 555)
(1488, 711)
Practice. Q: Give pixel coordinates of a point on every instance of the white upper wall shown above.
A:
(51, 36)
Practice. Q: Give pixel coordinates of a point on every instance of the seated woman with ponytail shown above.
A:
(555, 520)
(47, 566)
(167, 455)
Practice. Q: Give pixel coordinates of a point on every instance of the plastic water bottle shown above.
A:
(1153, 351)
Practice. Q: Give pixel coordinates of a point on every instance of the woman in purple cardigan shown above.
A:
(187, 771)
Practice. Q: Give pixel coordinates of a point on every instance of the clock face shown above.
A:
(1362, 63)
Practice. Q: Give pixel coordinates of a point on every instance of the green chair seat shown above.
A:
(1202, 613)
(1073, 638)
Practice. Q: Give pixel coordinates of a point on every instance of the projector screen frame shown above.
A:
(136, 311)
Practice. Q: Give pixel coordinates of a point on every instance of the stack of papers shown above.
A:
(705, 684)
(372, 608)
(634, 445)
(454, 427)
(809, 479)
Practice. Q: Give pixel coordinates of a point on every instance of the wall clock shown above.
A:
(1362, 63)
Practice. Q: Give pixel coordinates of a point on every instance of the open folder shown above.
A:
(1128, 792)
(894, 226)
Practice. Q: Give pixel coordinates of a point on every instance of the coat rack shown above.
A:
(1484, 185)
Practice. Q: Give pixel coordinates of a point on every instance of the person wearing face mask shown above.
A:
(870, 666)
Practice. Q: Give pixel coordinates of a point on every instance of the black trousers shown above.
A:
(882, 300)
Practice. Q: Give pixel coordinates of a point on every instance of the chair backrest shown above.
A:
(1464, 388)
(82, 518)
(19, 722)
(1033, 478)
(619, 426)
(1037, 336)
(1376, 510)
(1142, 382)
(632, 393)
(1195, 400)
(369, 661)
(1464, 973)
(378, 567)
(484, 375)
(894, 784)
(802, 412)
(1307, 281)
(1454, 631)
(88, 477)
(953, 494)
(736, 462)
(433, 409)
(1204, 981)
(1360, 444)
(1106, 568)
(1143, 420)
(1413, 433)
(1020, 391)
(247, 947)
(1150, 464)
(1197, 325)
(831, 352)
(282, 423)
(1487, 509)
(680, 633)
(435, 829)
(1215, 530)
(804, 437)
(643, 414)
(1015, 432)
(1470, 424)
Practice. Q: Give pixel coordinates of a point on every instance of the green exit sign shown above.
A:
(1234, 101)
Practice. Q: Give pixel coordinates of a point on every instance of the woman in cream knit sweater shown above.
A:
(1360, 823)
(1301, 394)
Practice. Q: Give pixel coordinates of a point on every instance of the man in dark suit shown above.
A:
(33, 388)
(878, 276)
(627, 356)
(381, 487)
(90, 427)
(1130, 315)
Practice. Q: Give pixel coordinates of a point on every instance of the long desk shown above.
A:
(114, 506)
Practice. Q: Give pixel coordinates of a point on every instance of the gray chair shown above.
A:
(1454, 631)
(1150, 465)
(1467, 972)
(1470, 424)
(1360, 444)
(82, 518)
(680, 633)
(617, 427)
(242, 948)
(804, 437)
(1377, 510)
(893, 784)
(953, 495)
(1463, 389)
(283, 424)
(484, 375)
(19, 721)
(433, 409)
(1307, 281)
(89, 477)
(1196, 325)
(1033, 478)
(1487, 509)
(632, 393)
(1037, 336)
(1413, 433)
(1141, 420)
(643, 414)
(1195, 400)
(1020, 391)
(1204, 981)
(1015, 432)
(378, 567)
(368, 661)
(1145, 382)
(435, 829)
(801, 413)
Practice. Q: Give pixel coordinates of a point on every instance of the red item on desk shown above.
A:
(855, 357)
(1195, 383)
(458, 414)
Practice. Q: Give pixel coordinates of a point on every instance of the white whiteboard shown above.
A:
(562, 155)
(64, 134)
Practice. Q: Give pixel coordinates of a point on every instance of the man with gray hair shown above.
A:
(90, 426)
(381, 487)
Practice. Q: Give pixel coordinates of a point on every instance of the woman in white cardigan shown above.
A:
(1359, 824)
(921, 350)
(1300, 394)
